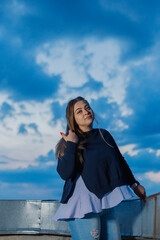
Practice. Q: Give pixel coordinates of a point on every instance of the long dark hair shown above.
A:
(72, 125)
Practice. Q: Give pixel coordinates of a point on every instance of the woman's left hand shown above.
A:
(140, 191)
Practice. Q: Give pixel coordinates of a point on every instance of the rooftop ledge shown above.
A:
(28, 219)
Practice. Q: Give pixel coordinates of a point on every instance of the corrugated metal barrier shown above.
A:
(140, 218)
(137, 218)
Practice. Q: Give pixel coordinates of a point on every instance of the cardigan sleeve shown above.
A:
(66, 164)
(125, 168)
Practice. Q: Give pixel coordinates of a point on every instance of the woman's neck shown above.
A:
(86, 129)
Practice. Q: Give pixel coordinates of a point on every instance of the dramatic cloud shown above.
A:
(153, 176)
(77, 63)
(28, 130)
(52, 51)
(129, 149)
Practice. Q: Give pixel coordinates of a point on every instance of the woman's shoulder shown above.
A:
(106, 134)
(105, 131)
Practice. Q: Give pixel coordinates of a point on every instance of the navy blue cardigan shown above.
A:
(104, 167)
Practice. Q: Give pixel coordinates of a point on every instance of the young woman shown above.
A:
(96, 176)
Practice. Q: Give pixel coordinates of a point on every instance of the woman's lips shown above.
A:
(88, 117)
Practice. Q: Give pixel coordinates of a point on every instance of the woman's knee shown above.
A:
(86, 228)
(95, 234)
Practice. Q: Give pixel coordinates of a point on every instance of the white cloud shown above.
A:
(25, 148)
(11, 163)
(16, 8)
(120, 126)
(158, 153)
(124, 9)
(50, 163)
(77, 62)
(143, 61)
(153, 176)
(13, 11)
(129, 149)
(150, 150)
(149, 63)
(61, 59)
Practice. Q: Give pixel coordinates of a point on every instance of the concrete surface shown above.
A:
(53, 237)
(34, 237)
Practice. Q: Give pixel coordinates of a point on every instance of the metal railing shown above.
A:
(137, 218)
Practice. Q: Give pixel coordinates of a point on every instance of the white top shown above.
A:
(83, 201)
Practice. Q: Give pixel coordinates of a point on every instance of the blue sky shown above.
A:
(52, 51)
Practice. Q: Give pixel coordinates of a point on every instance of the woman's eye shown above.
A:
(79, 111)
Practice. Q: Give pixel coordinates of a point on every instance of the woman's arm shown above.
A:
(66, 164)
(126, 169)
(138, 189)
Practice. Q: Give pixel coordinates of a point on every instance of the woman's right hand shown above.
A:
(70, 137)
(140, 191)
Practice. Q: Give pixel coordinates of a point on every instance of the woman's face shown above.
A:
(83, 115)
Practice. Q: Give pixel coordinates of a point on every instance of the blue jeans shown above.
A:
(99, 226)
